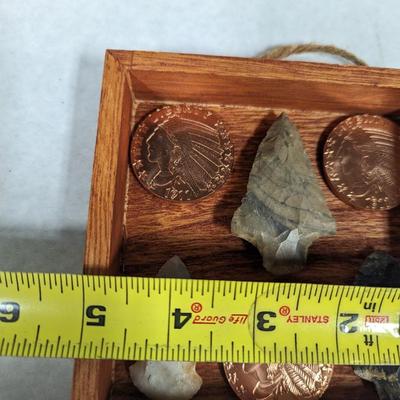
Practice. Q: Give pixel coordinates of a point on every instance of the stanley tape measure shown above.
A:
(133, 318)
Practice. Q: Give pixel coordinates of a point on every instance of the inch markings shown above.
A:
(104, 317)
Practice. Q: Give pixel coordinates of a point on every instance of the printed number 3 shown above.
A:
(262, 321)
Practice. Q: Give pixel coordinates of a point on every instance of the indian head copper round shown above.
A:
(361, 162)
(182, 152)
(278, 381)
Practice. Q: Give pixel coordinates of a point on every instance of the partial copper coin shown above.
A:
(361, 162)
(278, 381)
(182, 152)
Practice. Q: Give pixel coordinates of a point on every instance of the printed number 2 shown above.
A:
(344, 325)
(96, 319)
(10, 310)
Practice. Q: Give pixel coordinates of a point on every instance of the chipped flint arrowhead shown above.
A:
(284, 209)
(380, 269)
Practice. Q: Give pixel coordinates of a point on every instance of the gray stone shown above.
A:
(174, 268)
(380, 269)
(284, 210)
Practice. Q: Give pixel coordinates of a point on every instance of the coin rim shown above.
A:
(329, 377)
(188, 106)
(328, 179)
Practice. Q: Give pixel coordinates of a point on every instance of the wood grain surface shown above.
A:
(104, 234)
(134, 232)
(263, 83)
(344, 384)
(199, 232)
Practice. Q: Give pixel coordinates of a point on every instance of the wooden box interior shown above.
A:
(132, 232)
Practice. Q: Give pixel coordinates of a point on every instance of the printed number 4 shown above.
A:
(180, 318)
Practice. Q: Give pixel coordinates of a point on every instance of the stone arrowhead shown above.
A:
(284, 209)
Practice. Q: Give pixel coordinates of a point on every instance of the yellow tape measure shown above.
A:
(131, 318)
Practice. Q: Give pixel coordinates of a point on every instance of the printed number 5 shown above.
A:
(96, 319)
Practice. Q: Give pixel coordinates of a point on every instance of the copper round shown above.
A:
(181, 153)
(360, 162)
(278, 381)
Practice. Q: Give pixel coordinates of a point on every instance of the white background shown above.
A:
(50, 73)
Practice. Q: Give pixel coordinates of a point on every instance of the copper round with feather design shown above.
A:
(181, 153)
(361, 162)
(278, 381)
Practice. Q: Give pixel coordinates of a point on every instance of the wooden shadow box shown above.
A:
(132, 232)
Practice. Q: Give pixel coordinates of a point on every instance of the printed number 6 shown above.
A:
(11, 309)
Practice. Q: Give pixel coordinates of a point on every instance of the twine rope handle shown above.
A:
(280, 52)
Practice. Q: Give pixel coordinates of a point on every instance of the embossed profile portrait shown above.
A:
(360, 160)
(181, 155)
(367, 161)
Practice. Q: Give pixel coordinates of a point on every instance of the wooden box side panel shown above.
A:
(104, 236)
(263, 83)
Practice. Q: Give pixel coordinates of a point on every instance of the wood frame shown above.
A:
(133, 77)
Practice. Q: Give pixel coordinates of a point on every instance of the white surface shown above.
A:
(50, 73)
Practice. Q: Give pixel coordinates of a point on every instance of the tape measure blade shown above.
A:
(108, 317)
